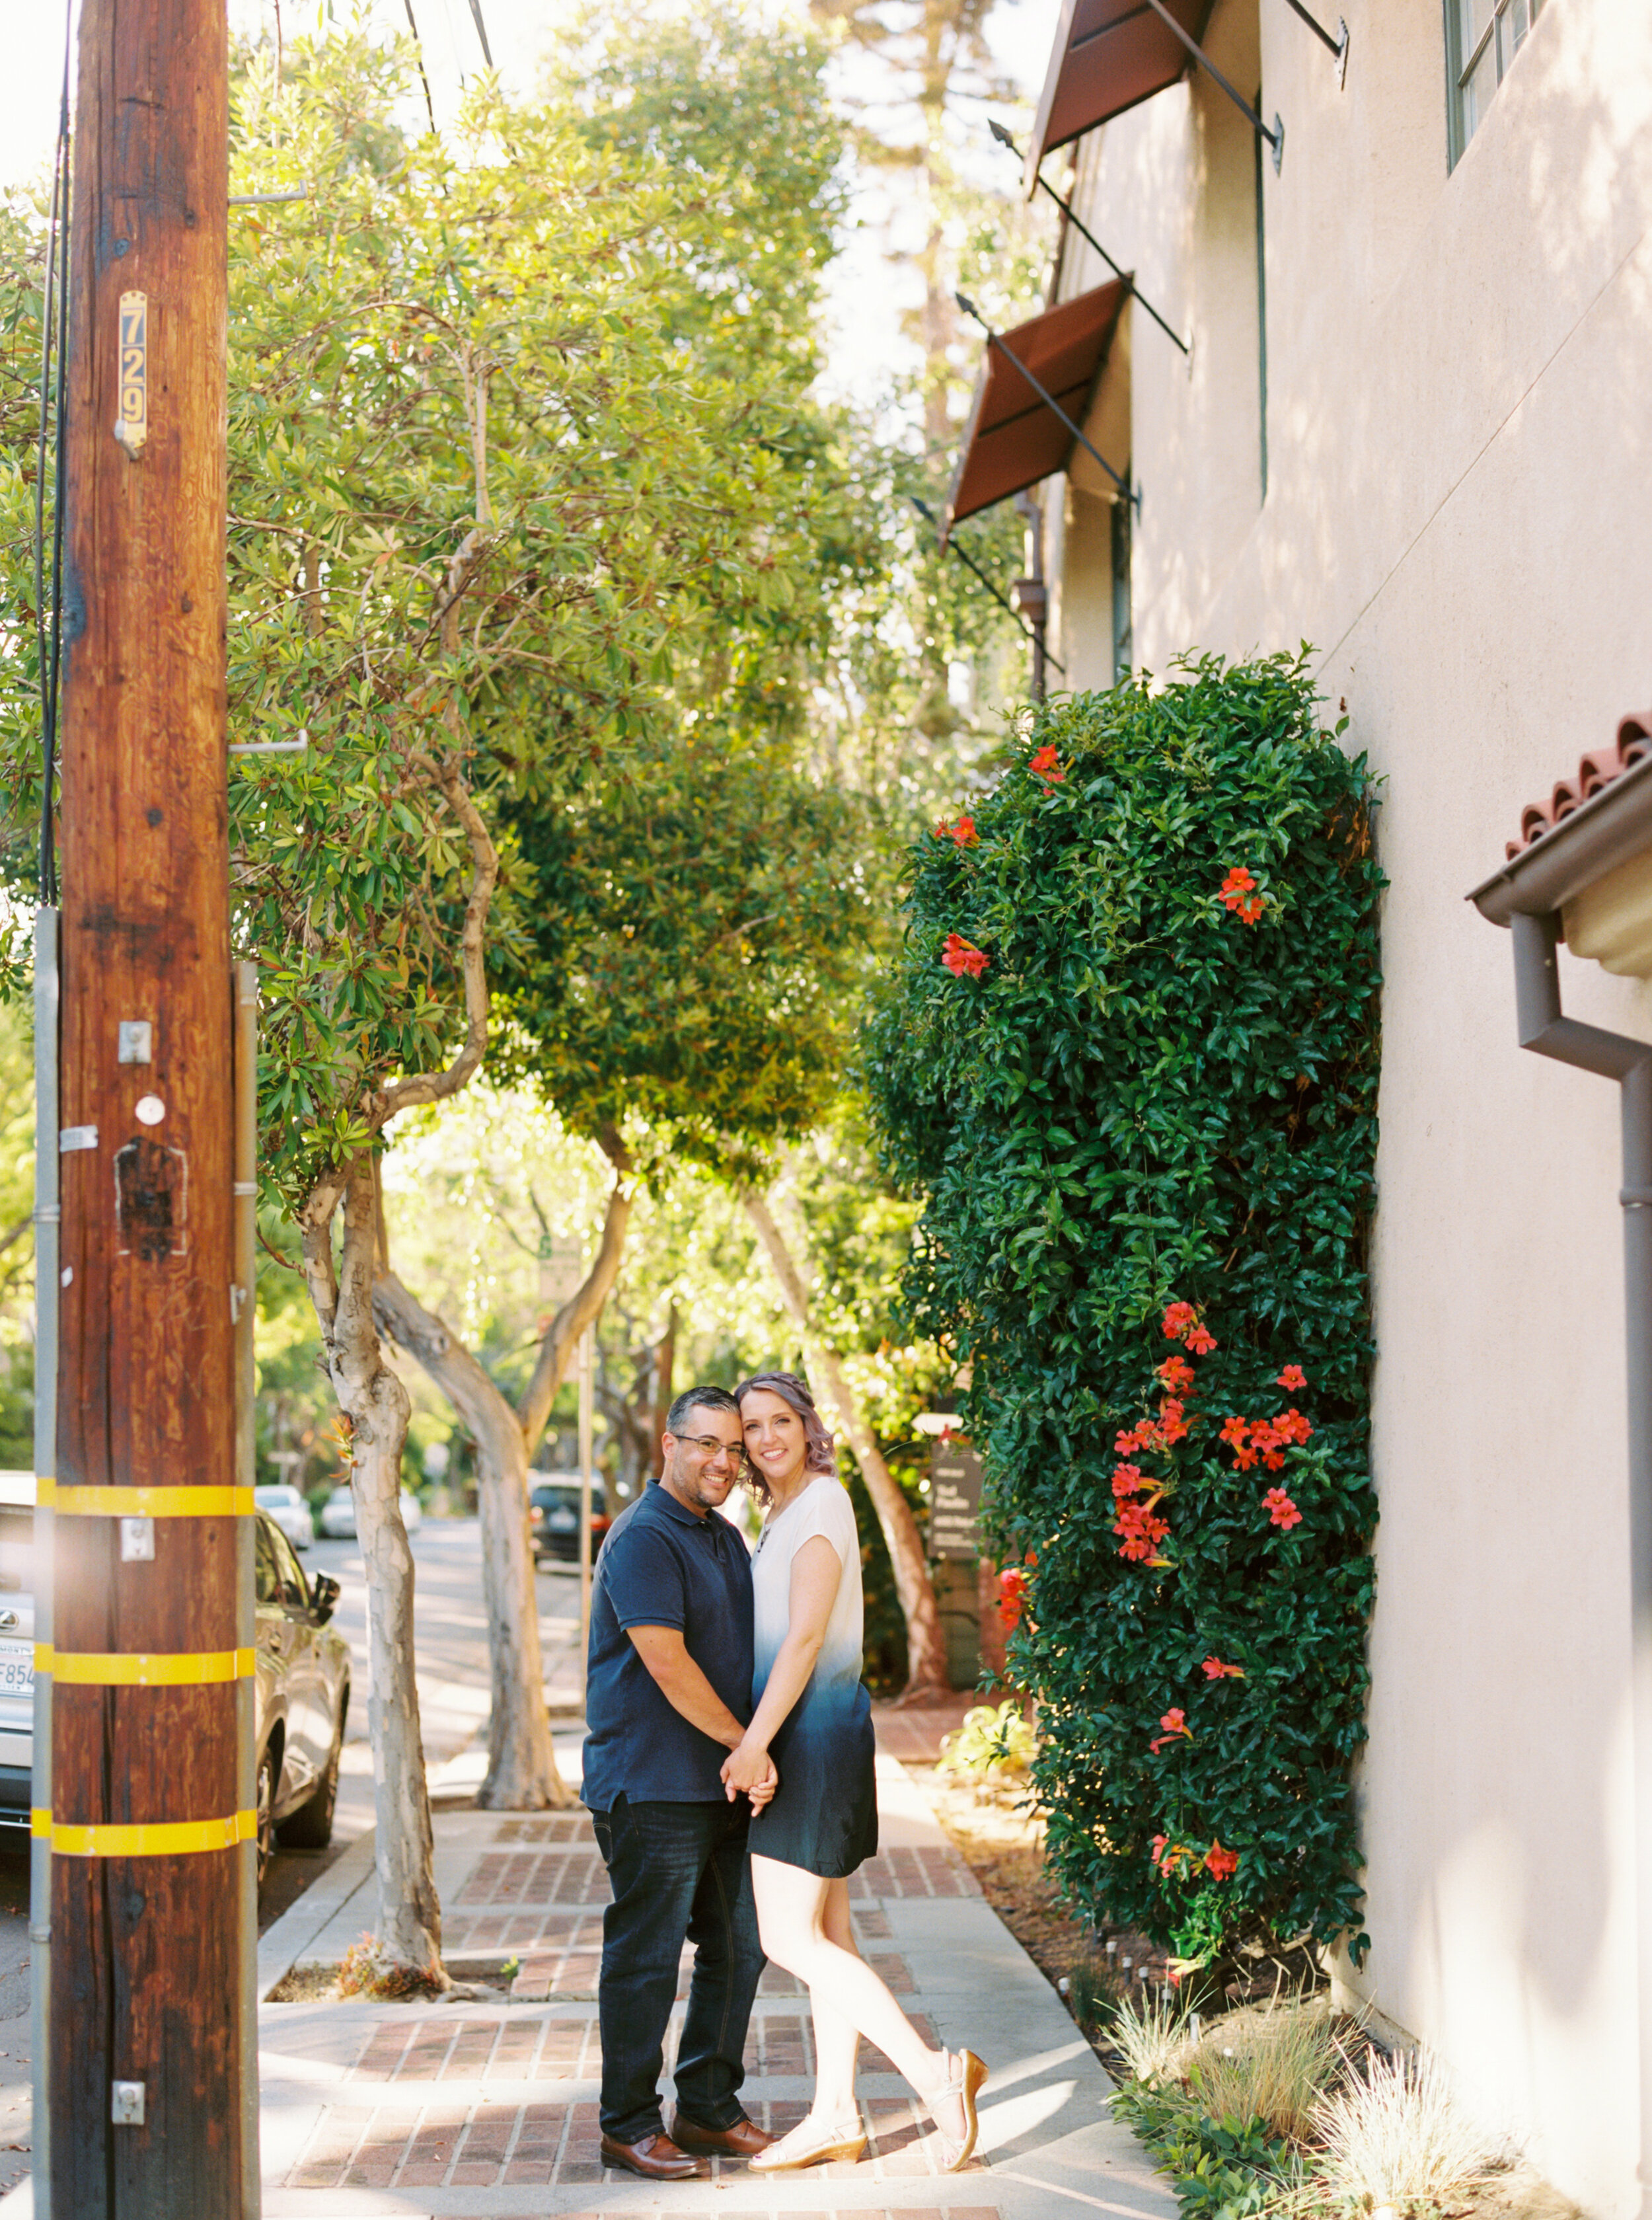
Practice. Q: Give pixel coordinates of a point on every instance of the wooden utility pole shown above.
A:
(149, 1827)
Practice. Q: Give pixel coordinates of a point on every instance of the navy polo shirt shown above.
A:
(660, 1566)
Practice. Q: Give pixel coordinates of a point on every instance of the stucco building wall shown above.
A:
(1458, 513)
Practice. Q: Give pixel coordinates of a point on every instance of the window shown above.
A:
(1481, 38)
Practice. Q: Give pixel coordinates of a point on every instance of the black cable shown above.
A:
(419, 52)
(55, 298)
(481, 32)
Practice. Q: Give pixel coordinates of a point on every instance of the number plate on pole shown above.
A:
(132, 424)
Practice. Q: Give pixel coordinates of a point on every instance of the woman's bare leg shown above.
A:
(836, 2037)
(845, 1996)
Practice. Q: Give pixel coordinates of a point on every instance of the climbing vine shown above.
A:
(1128, 1053)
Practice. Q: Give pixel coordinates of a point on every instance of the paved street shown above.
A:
(453, 1669)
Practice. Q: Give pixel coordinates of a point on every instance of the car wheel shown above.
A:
(266, 1813)
(310, 1827)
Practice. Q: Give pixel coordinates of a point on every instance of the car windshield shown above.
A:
(272, 1499)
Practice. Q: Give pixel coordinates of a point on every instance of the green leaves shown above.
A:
(1145, 1098)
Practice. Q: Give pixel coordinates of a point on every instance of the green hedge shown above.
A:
(1129, 1053)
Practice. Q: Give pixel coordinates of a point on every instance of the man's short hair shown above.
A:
(698, 1398)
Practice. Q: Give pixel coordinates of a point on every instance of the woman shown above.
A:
(814, 1718)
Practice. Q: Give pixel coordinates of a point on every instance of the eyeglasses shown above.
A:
(711, 1449)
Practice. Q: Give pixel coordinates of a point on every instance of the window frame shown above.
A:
(1459, 69)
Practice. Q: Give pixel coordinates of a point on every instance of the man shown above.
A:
(668, 1696)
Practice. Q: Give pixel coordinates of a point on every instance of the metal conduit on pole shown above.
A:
(47, 1215)
(243, 1306)
(1614, 1056)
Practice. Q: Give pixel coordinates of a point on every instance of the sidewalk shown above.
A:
(427, 2111)
(469, 2109)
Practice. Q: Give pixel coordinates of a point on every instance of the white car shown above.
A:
(290, 1511)
(339, 1514)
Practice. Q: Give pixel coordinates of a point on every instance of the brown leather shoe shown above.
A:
(744, 2140)
(657, 2158)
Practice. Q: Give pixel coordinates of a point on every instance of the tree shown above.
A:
(694, 929)
(494, 517)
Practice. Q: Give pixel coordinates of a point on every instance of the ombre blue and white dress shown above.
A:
(824, 1815)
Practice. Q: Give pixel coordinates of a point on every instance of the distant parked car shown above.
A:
(554, 1517)
(290, 1511)
(339, 1514)
(300, 1682)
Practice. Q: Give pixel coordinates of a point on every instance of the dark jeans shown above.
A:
(677, 1870)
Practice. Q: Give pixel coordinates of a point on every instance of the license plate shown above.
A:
(17, 1669)
(561, 1521)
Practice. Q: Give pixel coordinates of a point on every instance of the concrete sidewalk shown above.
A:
(460, 2108)
(427, 2111)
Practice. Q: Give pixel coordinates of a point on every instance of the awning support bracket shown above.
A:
(1002, 600)
(1338, 47)
(1049, 401)
(1084, 232)
(1276, 138)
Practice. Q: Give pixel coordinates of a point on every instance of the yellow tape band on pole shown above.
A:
(145, 1502)
(39, 1820)
(140, 1669)
(163, 1839)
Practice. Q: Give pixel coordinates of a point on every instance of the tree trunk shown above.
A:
(522, 1774)
(664, 1373)
(375, 1404)
(928, 1680)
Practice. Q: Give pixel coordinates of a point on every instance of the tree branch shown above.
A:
(437, 1085)
(585, 1307)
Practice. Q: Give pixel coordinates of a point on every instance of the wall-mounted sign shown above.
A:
(954, 1499)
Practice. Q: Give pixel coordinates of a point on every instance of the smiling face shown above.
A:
(775, 1440)
(700, 1477)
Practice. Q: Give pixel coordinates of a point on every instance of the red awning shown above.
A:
(1014, 438)
(1108, 54)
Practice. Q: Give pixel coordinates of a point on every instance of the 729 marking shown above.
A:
(132, 421)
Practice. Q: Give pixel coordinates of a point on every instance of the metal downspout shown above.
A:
(47, 1252)
(1542, 1027)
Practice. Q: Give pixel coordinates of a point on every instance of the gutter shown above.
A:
(1614, 826)
(1610, 829)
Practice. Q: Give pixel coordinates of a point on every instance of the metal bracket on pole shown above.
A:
(1049, 400)
(969, 563)
(1084, 232)
(1338, 47)
(1276, 138)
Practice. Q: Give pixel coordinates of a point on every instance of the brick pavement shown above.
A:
(437, 2112)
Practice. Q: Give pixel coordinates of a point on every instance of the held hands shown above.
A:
(749, 1770)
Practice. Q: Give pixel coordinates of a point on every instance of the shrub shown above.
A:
(989, 1742)
(1129, 1054)
(1271, 2066)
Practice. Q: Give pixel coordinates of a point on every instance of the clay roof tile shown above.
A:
(1596, 770)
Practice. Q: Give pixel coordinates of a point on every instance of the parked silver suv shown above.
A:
(302, 1681)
